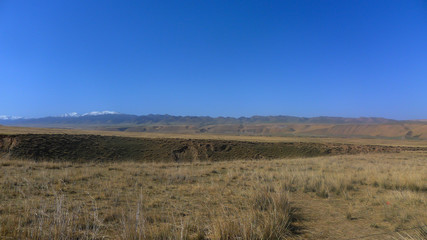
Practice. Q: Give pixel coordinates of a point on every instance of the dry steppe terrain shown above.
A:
(362, 195)
(279, 126)
(409, 130)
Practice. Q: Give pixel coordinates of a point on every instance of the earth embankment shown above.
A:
(67, 147)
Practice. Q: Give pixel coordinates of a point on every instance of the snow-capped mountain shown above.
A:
(4, 117)
(65, 115)
(72, 114)
(96, 113)
(93, 113)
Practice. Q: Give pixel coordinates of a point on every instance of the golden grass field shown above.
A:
(311, 198)
(364, 196)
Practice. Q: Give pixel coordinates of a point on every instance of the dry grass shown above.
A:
(221, 200)
(350, 140)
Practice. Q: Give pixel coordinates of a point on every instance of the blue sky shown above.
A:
(217, 58)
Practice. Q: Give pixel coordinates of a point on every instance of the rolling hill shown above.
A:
(256, 125)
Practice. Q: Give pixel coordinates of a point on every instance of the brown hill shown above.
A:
(395, 131)
(247, 126)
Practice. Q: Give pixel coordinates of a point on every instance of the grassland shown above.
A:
(334, 197)
(207, 136)
(194, 194)
(256, 126)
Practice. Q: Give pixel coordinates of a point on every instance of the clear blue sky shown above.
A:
(217, 58)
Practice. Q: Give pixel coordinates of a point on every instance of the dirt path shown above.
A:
(327, 219)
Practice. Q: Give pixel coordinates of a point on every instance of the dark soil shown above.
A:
(64, 147)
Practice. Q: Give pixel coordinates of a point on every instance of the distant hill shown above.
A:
(114, 118)
(256, 125)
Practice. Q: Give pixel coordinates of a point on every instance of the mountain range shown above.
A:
(111, 117)
(255, 125)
